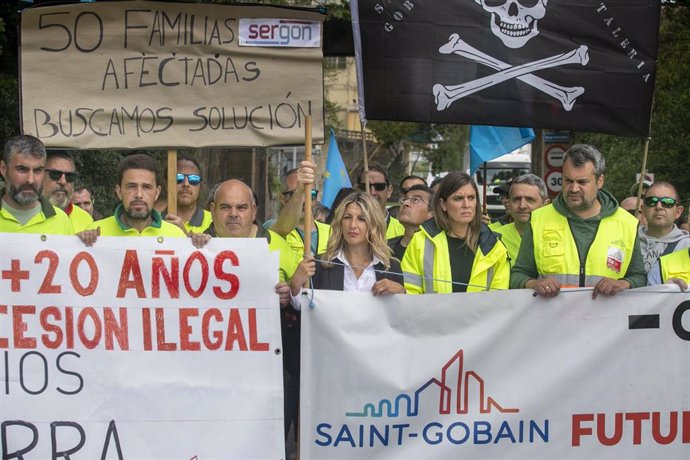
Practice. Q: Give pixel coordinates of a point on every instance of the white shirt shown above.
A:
(350, 282)
(365, 281)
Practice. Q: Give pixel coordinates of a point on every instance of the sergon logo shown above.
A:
(280, 32)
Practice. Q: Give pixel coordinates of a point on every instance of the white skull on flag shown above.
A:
(514, 21)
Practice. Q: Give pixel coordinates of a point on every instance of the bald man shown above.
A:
(234, 212)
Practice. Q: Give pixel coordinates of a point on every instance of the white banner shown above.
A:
(496, 375)
(139, 348)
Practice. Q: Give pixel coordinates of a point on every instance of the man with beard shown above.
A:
(582, 239)
(190, 216)
(24, 210)
(58, 187)
(138, 189)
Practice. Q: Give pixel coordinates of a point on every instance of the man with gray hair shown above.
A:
(24, 209)
(582, 239)
(58, 187)
(527, 193)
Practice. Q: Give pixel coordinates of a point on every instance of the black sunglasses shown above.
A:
(193, 179)
(56, 174)
(378, 186)
(288, 194)
(666, 201)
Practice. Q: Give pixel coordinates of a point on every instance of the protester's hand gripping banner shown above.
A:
(151, 74)
(563, 64)
(499, 375)
(139, 348)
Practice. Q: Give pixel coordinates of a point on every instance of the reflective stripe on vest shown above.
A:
(556, 254)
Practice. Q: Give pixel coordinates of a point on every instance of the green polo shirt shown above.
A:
(114, 226)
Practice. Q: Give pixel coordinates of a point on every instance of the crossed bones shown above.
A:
(446, 95)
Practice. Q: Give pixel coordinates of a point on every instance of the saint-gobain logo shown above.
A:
(280, 32)
(451, 391)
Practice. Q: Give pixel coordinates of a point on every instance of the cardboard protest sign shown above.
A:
(151, 74)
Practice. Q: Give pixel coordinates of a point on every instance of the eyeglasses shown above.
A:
(666, 201)
(415, 200)
(289, 193)
(378, 186)
(193, 179)
(56, 174)
(631, 211)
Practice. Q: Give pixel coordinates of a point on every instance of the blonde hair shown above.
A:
(449, 185)
(376, 224)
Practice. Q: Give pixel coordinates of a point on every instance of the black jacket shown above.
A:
(332, 277)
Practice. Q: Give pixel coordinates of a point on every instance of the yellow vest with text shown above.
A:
(675, 265)
(426, 264)
(511, 238)
(555, 251)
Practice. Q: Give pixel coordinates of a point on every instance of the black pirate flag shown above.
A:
(580, 65)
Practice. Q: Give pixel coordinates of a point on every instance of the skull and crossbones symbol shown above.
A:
(514, 22)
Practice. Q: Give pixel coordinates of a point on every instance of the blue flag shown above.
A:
(489, 142)
(336, 176)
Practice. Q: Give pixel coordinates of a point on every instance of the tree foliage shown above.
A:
(669, 147)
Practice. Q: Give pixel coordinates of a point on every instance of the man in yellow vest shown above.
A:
(190, 216)
(527, 193)
(381, 189)
(290, 222)
(582, 239)
(234, 212)
(137, 188)
(58, 187)
(23, 209)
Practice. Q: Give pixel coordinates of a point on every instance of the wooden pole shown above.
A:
(484, 207)
(366, 157)
(172, 181)
(307, 188)
(644, 171)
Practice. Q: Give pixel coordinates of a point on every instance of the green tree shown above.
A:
(669, 147)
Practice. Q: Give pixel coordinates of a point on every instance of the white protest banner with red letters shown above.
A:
(139, 348)
(498, 375)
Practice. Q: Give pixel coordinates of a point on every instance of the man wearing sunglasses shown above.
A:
(58, 187)
(582, 239)
(290, 222)
(661, 235)
(23, 207)
(190, 216)
(381, 189)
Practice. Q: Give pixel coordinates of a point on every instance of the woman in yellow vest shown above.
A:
(455, 251)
